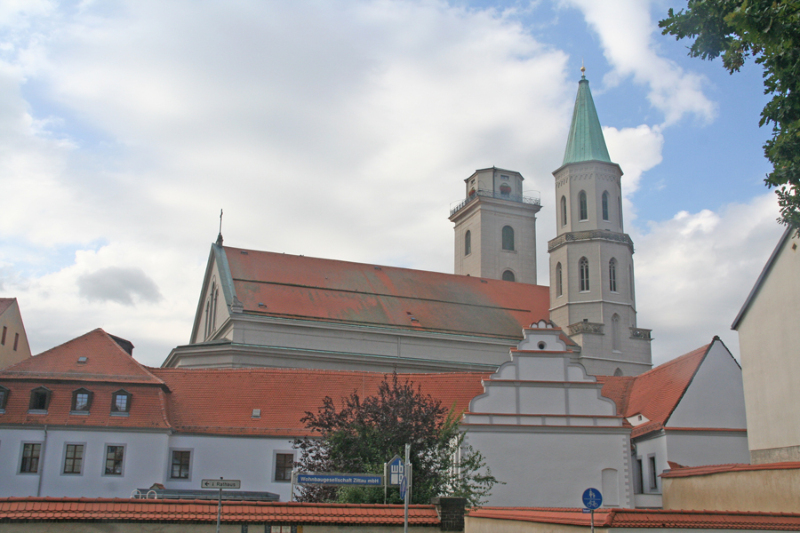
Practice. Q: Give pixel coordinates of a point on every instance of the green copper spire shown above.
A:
(585, 141)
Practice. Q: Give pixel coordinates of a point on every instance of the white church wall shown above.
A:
(649, 450)
(707, 448)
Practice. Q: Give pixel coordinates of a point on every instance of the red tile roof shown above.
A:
(689, 471)
(221, 401)
(308, 288)
(655, 393)
(644, 518)
(84, 509)
(106, 361)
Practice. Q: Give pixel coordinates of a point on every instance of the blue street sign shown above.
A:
(340, 479)
(592, 499)
(396, 472)
(403, 487)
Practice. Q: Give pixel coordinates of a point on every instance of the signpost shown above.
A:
(592, 499)
(220, 484)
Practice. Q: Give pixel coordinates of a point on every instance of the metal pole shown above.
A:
(592, 521)
(219, 508)
(408, 488)
(386, 474)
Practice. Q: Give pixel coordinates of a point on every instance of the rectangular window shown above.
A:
(653, 473)
(638, 480)
(114, 459)
(30, 458)
(73, 459)
(284, 462)
(16, 341)
(3, 340)
(180, 464)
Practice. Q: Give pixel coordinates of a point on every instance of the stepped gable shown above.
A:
(105, 361)
(221, 401)
(290, 286)
(655, 393)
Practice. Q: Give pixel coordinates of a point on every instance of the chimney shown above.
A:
(451, 512)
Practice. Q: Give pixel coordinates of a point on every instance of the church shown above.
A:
(554, 384)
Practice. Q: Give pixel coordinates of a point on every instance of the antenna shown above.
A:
(219, 237)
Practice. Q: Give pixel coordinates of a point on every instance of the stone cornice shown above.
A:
(590, 235)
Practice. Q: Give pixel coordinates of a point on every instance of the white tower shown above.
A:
(495, 227)
(592, 290)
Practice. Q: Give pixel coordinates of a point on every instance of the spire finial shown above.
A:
(583, 71)
(219, 237)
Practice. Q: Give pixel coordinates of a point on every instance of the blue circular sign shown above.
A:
(592, 499)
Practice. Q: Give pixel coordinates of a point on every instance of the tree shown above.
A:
(769, 31)
(365, 433)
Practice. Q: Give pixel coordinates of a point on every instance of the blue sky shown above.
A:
(345, 130)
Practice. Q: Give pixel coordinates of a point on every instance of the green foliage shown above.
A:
(769, 31)
(365, 433)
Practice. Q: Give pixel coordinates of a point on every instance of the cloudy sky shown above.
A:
(345, 129)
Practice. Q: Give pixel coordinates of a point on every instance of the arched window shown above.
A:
(468, 243)
(584, 209)
(605, 205)
(509, 276)
(559, 281)
(563, 210)
(508, 238)
(619, 206)
(208, 317)
(583, 267)
(214, 309)
(612, 275)
(618, 372)
(615, 334)
(630, 280)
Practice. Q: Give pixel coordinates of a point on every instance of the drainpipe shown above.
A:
(41, 463)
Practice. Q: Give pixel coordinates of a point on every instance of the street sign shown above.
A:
(371, 480)
(403, 487)
(592, 499)
(396, 471)
(221, 484)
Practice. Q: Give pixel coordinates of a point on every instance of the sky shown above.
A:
(344, 130)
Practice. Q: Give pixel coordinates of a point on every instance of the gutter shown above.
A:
(41, 463)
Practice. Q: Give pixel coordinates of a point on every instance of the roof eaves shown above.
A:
(764, 272)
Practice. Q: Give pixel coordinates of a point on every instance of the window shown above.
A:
(81, 400)
(73, 459)
(508, 238)
(3, 398)
(281, 529)
(653, 473)
(605, 205)
(115, 456)
(584, 208)
(30, 458)
(121, 402)
(559, 280)
(40, 399)
(619, 206)
(638, 479)
(583, 268)
(615, 334)
(468, 243)
(284, 462)
(181, 460)
(16, 341)
(563, 210)
(612, 275)
(3, 340)
(509, 276)
(630, 280)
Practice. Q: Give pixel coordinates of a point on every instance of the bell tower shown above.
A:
(592, 290)
(495, 227)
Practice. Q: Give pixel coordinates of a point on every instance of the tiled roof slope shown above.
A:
(221, 401)
(106, 509)
(291, 286)
(148, 406)
(5, 303)
(645, 518)
(106, 361)
(655, 393)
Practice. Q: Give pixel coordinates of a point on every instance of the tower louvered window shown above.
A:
(468, 243)
(612, 275)
(583, 267)
(584, 208)
(508, 238)
(559, 281)
(563, 210)
(605, 205)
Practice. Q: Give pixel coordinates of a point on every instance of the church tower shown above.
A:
(495, 227)
(592, 290)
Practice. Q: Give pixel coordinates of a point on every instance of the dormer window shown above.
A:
(81, 401)
(121, 402)
(40, 400)
(82, 360)
(3, 398)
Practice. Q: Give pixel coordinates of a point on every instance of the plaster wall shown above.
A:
(768, 339)
(594, 178)
(468, 264)
(707, 448)
(142, 464)
(11, 320)
(776, 491)
(222, 312)
(497, 214)
(645, 449)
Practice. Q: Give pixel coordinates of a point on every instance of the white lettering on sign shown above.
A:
(221, 484)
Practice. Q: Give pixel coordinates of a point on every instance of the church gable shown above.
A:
(216, 296)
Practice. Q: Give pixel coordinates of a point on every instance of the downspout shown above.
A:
(41, 463)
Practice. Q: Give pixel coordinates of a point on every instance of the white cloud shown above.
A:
(694, 272)
(625, 29)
